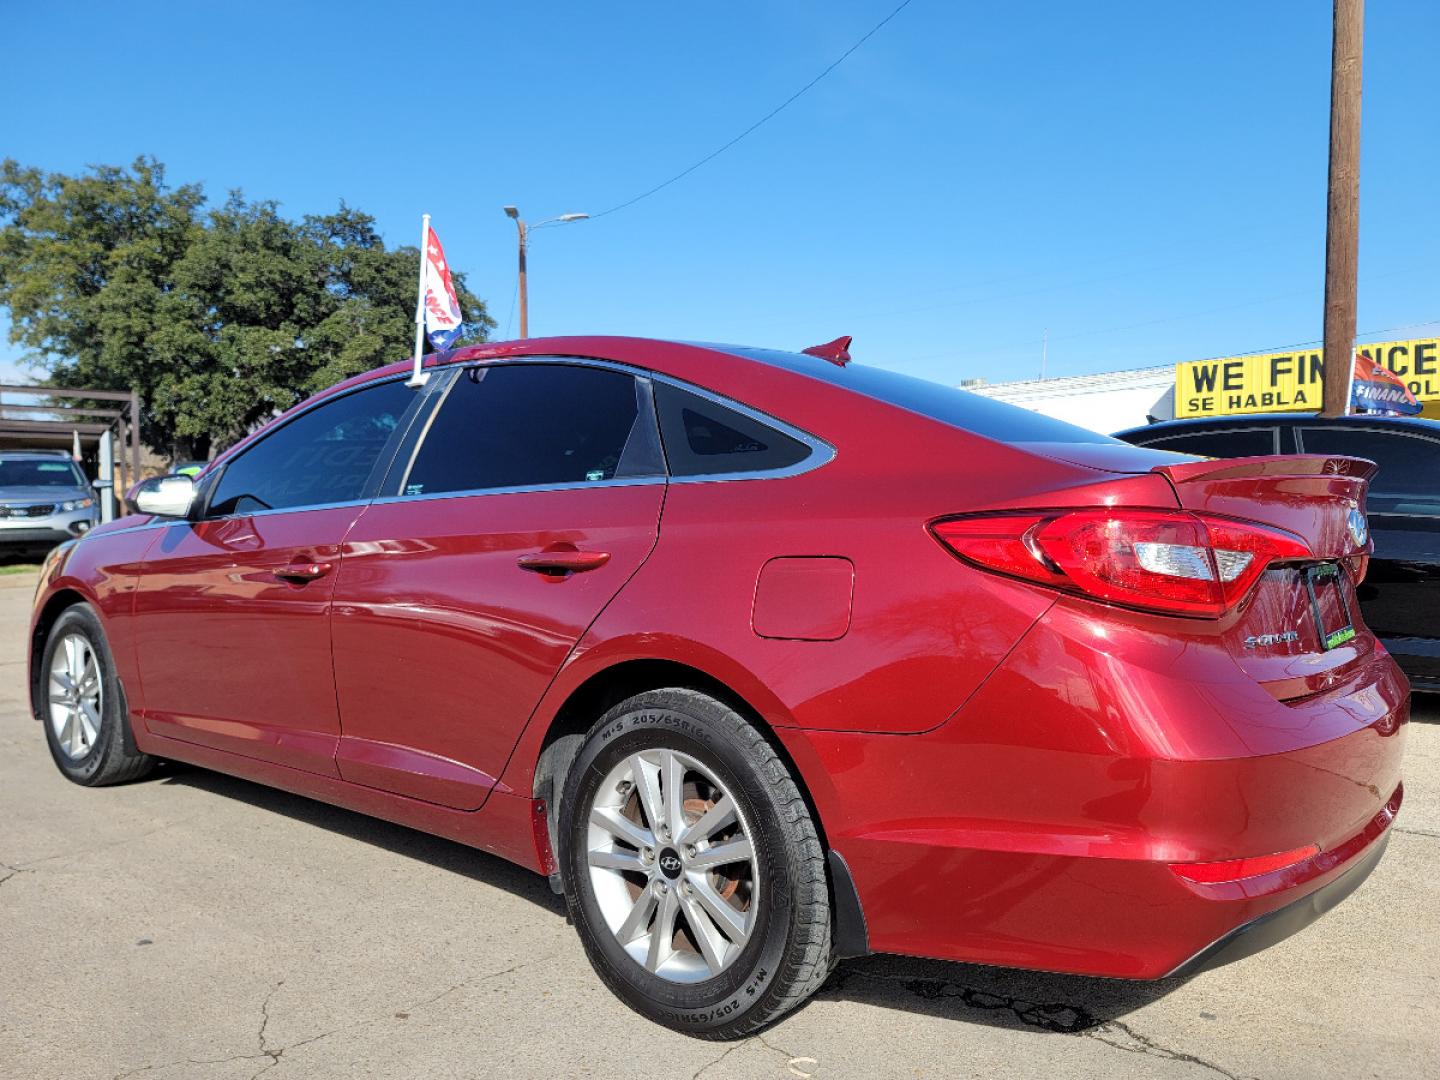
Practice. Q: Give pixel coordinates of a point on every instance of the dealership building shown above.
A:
(1228, 386)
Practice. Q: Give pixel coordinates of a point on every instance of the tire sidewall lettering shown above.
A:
(667, 1000)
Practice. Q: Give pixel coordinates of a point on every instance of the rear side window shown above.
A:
(704, 438)
(1245, 442)
(322, 456)
(520, 426)
(1408, 464)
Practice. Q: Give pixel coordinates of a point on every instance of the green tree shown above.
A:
(218, 317)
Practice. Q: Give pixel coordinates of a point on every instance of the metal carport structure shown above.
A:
(106, 427)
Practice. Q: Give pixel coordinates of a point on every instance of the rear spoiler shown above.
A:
(1314, 496)
(1269, 467)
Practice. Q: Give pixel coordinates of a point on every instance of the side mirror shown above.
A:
(162, 496)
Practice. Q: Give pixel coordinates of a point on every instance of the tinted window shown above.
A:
(322, 456)
(948, 404)
(57, 473)
(1249, 442)
(523, 425)
(703, 437)
(1409, 464)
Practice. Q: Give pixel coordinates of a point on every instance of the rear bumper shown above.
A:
(1038, 828)
(1273, 927)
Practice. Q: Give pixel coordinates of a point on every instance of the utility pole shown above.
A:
(1342, 223)
(524, 233)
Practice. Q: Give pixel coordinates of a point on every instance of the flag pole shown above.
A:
(419, 378)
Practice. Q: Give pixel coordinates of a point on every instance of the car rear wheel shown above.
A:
(82, 706)
(693, 869)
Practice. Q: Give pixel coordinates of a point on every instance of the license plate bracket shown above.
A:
(1325, 582)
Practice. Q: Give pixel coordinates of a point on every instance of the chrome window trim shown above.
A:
(470, 493)
(821, 452)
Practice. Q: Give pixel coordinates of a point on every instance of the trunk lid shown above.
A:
(1299, 631)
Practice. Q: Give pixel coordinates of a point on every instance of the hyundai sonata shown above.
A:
(766, 659)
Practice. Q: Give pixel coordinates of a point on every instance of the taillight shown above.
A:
(1161, 560)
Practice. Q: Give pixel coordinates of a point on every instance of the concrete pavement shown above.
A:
(193, 925)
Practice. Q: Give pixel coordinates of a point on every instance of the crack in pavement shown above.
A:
(1135, 1043)
(1432, 833)
(272, 1056)
(32, 864)
(790, 1059)
(728, 1051)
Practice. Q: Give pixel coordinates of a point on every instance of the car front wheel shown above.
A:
(82, 706)
(692, 866)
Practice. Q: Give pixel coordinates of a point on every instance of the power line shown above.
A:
(1241, 355)
(1320, 341)
(758, 123)
(513, 294)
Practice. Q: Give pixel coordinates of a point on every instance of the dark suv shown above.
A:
(1400, 597)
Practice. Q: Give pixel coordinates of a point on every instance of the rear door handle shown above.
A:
(300, 573)
(563, 561)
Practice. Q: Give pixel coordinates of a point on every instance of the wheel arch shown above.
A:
(603, 689)
(610, 685)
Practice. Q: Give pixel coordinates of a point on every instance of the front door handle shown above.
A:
(565, 560)
(300, 573)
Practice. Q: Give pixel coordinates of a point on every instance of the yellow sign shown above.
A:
(1291, 381)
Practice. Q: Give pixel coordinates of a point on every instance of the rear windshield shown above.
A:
(20, 472)
(950, 405)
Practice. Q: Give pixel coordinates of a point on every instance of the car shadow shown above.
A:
(434, 850)
(996, 997)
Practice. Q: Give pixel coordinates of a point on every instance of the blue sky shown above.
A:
(1144, 181)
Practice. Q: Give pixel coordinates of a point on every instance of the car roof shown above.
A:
(48, 455)
(668, 357)
(808, 390)
(1287, 419)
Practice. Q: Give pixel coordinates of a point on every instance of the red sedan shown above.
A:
(766, 659)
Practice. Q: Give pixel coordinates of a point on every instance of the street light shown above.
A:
(524, 232)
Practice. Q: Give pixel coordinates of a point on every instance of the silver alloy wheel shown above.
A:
(76, 696)
(673, 865)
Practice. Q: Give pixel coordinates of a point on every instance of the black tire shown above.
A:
(787, 955)
(111, 757)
